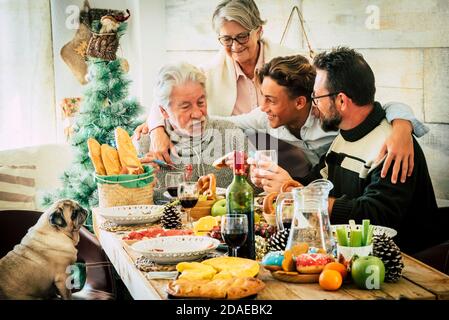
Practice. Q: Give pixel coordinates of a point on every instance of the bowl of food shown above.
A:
(377, 230)
(130, 215)
(170, 250)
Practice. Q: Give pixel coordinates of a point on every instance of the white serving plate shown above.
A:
(129, 215)
(174, 249)
(378, 230)
(219, 191)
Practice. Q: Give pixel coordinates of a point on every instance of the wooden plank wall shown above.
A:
(405, 41)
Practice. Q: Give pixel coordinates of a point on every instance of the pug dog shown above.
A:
(37, 267)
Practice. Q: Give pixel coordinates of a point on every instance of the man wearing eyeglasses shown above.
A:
(344, 93)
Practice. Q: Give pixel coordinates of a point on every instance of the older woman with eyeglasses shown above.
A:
(230, 80)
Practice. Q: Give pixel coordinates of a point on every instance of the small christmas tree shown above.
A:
(105, 106)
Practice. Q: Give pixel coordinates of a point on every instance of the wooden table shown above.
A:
(419, 280)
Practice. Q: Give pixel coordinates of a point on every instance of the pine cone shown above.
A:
(390, 254)
(172, 217)
(278, 241)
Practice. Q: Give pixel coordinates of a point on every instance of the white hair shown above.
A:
(244, 12)
(172, 75)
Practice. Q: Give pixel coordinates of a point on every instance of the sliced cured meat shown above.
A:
(154, 232)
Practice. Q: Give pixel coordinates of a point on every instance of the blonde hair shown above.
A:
(244, 12)
(172, 75)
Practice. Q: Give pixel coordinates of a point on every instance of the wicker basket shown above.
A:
(113, 195)
(125, 190)
(201, 209)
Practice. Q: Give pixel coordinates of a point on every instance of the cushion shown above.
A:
(50, 160)
(18, 187)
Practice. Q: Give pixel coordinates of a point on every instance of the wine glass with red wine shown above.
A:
(234, 230)
(188, 196)
(172, 181)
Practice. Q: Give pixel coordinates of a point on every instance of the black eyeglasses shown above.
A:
(241, 38)
(315, 99)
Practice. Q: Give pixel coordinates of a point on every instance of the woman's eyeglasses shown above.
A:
(241, 38)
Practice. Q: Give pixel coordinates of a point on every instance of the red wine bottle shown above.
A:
(240, 200)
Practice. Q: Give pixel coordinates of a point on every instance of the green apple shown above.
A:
(219, 208)
(368, 272)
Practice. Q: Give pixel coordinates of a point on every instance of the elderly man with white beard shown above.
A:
(181, 96)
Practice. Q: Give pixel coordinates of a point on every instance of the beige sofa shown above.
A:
(26, 174)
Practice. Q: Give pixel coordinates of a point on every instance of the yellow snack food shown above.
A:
(223, 275)
(180, 267)
(197, 274)
(127, 152)
(218, 268)
(195, 271)
(238, 267)
(95, 156)
(110, 159)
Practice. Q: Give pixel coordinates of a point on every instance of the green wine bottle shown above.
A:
(240, 200)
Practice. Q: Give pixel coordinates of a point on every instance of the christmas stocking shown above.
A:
(74, 53)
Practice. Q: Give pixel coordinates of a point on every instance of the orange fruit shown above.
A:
(288, 264)
(330, 280)
(337, 267)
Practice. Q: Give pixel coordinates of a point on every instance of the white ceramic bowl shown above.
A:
(378, 230)
(129, 215)
(171, 250)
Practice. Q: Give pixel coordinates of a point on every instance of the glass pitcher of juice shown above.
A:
(311, 222)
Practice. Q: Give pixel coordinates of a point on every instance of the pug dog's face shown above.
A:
(67, 215)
